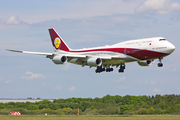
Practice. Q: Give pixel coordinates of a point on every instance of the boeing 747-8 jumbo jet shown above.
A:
(143, 51)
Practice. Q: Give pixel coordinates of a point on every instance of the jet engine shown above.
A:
(145, 62)
(59, 59)
(94, 61)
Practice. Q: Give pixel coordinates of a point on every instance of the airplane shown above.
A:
(142, 51)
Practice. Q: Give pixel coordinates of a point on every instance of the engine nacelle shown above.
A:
(59, 59)
(94, 61)
(145, 62)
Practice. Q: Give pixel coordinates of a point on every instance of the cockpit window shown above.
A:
(162, 39)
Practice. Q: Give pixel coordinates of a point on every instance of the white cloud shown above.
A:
(158, 6)
(13, 20)
(174, 70)
(121, 79)
(146, 82)
(59, 88)
(72, 88)
(84, 9)
(8, 81)
(29, 75)
(156, 90)
(152, 82)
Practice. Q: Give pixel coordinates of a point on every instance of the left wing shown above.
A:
(78, 59)
(48, 55)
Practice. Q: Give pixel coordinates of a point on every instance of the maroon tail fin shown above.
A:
(57, 41)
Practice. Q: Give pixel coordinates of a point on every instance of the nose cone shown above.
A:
(171, 48)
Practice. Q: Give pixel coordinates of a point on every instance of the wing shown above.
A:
(48, 55)
(91, 60)
(84, 60)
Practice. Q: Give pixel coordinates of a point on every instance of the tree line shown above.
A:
(107, 105)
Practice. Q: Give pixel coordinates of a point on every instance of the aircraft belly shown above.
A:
(118, 61)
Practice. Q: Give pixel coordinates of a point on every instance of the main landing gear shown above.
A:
(109, 69)
(102, 69)
(160, 64)
(122, 68)
(99, 69)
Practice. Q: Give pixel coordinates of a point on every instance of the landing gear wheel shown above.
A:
(99, 69)
(121, 70)
(109, 69)
(160, 64)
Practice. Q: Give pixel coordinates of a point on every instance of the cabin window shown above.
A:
(162, 39)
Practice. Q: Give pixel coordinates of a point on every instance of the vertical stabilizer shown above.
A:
(57, 41)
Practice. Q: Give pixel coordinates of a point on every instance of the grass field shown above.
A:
(123, 117)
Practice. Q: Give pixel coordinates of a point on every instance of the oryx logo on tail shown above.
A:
(57, 43)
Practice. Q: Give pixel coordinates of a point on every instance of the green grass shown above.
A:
(123, 117)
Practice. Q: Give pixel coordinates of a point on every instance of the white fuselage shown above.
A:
(128, 51)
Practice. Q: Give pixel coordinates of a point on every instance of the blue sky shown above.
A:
(85, 23)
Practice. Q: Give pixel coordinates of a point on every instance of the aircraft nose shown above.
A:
(171, 48)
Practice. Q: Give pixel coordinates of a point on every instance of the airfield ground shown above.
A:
(81, 117)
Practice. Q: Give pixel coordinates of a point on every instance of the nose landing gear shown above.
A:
(160, 64)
